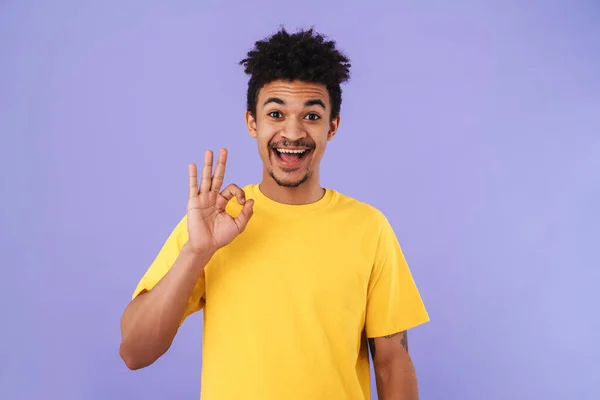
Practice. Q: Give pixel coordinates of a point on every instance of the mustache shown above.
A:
(290, 143)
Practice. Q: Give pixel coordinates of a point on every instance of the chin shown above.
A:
(289, 182)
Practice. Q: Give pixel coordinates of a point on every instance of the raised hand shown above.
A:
(210, 227)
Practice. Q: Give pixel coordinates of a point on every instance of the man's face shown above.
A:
(292, 127)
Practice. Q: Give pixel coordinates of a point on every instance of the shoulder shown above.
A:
(360, 208)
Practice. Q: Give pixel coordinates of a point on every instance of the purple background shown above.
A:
(475, 127)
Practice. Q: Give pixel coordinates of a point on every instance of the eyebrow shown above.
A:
(308, 103)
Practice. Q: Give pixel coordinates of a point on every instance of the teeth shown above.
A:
(291, 151)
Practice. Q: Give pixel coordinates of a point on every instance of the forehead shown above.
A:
(294, 93)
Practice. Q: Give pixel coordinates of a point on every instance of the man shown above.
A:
(296, 281)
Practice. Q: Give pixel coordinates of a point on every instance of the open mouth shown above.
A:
(291, 157)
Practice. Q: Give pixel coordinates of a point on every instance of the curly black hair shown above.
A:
(304, 56)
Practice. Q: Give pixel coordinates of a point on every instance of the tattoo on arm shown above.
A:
(404, 340)
(403, 336)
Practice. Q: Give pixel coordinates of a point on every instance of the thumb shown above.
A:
(244, 216)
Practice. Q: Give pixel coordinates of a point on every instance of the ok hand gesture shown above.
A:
(210, 227)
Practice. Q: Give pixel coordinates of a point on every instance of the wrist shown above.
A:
(197, 254)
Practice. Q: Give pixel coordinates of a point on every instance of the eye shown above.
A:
(275, 114)
(313, 117)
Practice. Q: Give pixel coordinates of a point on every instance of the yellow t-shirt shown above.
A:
(288, 304)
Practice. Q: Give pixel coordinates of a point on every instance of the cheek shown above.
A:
(321, 143)
(263, 146)
(321, 147)
(264, 134)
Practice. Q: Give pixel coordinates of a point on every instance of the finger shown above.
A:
(193, 180)
(206, 172)
(219, 176)
(228, 193)
(244, 216)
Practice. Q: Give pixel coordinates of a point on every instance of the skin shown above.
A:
(290, 114)
(395, 374)
(150, 322)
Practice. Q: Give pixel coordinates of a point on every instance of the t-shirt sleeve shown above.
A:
(394, 303)
(163, 262)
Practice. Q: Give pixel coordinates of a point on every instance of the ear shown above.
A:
(333, 127)
(251, 124)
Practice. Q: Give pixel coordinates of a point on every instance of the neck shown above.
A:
(308, 192)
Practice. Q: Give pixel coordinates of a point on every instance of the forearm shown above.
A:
(396, 380)
(151, 320)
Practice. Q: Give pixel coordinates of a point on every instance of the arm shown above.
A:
(150, 322)
(394, 305)
(170, 289)
(395, 374)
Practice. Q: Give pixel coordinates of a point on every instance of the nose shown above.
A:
(293, 130)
